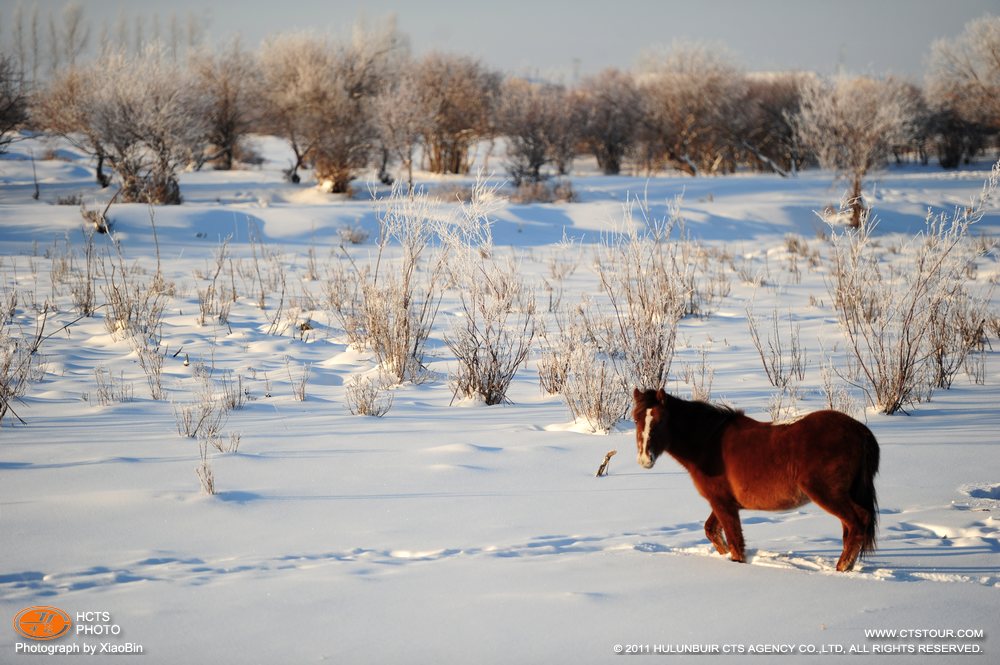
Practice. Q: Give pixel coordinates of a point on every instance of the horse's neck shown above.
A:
(685, 450)
(692, 440)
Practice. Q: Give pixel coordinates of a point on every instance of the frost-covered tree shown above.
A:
(767, 124)
(964, 73)
(295, 71)
(610, 103)
(320, 97)
(851, 124)
(362, 67)
(400, 120)
(963, 90)
(229, 83)
(65, 107)
(691, 95)
(146, 114)
(530, 116)
(457, 98)
(567, 131)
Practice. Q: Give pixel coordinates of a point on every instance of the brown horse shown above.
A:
(737, 462)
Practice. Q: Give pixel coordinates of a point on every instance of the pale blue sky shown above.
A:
(555, 38)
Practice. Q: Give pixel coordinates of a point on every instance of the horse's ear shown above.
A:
(661, 395)
(636, 395)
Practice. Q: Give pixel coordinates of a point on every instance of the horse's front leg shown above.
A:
(713, 529)
(729, 518)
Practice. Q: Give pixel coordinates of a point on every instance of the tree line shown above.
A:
(146, 109)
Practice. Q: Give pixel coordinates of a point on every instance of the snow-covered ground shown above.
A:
(454, 533)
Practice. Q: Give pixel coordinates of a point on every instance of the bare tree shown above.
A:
(75, 33)
(852, 123)
(36, 44)
(55, 53)
(20, 41)
(611, 109)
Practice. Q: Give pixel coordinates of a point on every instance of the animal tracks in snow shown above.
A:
(983, 497)
(909, 551)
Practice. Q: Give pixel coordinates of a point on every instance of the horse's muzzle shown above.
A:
(646, 462)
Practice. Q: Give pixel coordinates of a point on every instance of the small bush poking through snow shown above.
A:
(366, 396)
(204, 469)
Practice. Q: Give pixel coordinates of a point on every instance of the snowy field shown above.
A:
(457, 532)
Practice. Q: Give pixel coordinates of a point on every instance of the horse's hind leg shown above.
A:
(713, 529)
(854, 538)
(853, 516)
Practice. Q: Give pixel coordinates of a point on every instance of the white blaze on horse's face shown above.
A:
(645, 459)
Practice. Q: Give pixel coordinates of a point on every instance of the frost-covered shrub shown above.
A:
(492, 337)
(594, 390)
(18, 359)
(896, 315)
(648, 281)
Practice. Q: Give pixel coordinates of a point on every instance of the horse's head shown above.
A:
(650, 416)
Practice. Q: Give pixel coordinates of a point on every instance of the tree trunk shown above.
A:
(103, 179)
(856, 202)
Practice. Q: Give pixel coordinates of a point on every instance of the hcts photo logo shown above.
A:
(42, 623)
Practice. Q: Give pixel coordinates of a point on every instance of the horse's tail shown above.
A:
(863, 490)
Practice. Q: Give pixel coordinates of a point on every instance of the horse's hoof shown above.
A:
(738, 558)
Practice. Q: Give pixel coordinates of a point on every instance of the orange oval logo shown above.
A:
(42, 623)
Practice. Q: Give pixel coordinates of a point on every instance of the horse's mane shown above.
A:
(702, 422)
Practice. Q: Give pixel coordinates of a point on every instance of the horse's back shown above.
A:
(769, 464)
(829, 429)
